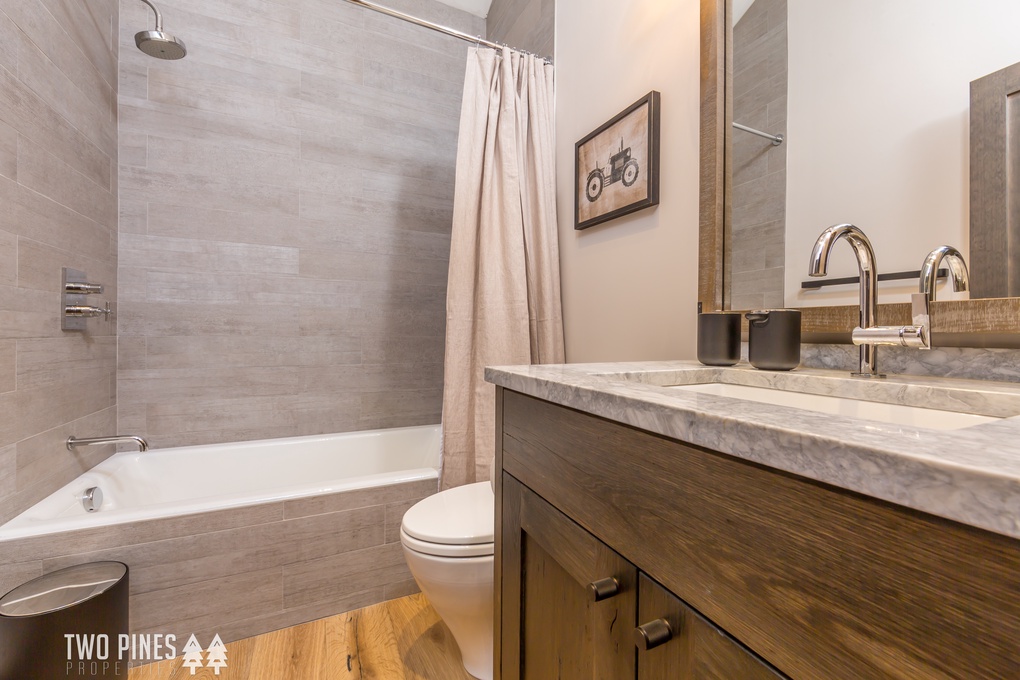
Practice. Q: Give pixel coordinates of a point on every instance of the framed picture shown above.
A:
(616, 168)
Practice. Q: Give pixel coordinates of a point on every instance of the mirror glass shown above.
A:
(872, 99)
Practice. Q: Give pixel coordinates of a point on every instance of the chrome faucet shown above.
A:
(918, 335)
(867, 335)
(869, 284)
(958, 273)
(920, 302)
(142, 445)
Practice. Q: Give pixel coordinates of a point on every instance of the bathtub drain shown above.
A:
(92, 499)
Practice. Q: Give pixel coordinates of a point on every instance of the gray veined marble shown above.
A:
(970, 475)
(979, 363)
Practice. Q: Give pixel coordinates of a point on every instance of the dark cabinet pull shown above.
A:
(653, 634)
(604, 588)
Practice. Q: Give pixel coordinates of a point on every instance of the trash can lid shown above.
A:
(62, 588)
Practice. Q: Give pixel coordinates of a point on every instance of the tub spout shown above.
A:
(142, 445)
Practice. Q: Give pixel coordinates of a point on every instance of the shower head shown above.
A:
(157, 43)
(160, 45)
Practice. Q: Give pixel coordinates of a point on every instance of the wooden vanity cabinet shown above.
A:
(815, 582)
(577, 605)
(699, 650)
(564, 632)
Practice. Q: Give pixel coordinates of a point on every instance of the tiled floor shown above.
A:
(396, 640)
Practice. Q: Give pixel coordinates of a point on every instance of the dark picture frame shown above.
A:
(616, 167)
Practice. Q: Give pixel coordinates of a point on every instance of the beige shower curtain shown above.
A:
(503, 296)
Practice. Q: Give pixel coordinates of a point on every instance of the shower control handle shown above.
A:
(87, 311)
(83, 288)
(604, 588)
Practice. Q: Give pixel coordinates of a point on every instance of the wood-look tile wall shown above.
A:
(58, 191)
(525, 24)
(244, 571)
(756, 262)
(285, 206)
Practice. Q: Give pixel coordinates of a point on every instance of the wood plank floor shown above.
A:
(397, 640)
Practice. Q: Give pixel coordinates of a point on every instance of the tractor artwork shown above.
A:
(622, 168)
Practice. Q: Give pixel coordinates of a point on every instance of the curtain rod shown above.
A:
(436, 27)
(776, 139)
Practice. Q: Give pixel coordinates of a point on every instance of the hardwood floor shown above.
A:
(396, 640)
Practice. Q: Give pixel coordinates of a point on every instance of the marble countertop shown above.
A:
(970, 475)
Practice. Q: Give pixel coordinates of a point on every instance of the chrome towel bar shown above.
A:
(776, 139)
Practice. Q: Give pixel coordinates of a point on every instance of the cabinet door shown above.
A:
(563, 616)
(695, 649)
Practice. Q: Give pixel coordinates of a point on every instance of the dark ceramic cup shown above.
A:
(719, 338)
(774, 339)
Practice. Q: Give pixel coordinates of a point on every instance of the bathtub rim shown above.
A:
(99, 520)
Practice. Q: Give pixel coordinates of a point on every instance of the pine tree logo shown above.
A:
(217, 655)
(193, 654)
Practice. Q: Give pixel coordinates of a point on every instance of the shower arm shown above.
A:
(159, 17)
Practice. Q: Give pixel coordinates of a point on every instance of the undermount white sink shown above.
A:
(898, 414)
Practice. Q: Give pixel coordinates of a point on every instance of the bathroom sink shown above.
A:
(908, 401)
(899, 414)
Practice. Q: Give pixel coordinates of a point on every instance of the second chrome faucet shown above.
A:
(868, 334)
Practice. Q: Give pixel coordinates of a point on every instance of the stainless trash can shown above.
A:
(67, 624)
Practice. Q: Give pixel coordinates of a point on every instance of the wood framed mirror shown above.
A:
(992, 322)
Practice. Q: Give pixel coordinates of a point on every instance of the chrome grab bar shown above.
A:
(72, 442)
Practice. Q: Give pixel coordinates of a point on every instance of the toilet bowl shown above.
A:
(447, 540)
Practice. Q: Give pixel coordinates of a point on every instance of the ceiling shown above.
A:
(480, 8)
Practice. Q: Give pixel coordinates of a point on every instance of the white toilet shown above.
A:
(447, 541)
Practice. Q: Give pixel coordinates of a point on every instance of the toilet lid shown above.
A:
(469, 550)
(459, 516)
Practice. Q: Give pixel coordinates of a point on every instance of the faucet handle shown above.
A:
(917, 335)
(900, 336)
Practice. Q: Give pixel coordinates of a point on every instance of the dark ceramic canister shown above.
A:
(67, 624)
(719, 338)
(774, 339)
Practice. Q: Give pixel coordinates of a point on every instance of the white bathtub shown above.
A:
(191, 479)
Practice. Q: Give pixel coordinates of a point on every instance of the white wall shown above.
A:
(879, 128)
(630, 285)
